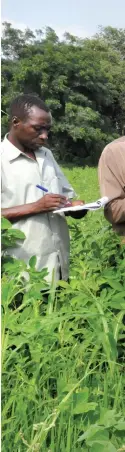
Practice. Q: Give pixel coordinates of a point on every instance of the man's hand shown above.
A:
(78, 214)
(77, 203)
(49, 202)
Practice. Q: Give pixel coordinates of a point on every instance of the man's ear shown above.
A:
(15, 121)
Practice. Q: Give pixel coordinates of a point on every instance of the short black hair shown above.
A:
(21, 105)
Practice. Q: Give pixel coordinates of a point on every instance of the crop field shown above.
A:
(63, 359)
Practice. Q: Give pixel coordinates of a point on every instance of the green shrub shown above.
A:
(63, 359)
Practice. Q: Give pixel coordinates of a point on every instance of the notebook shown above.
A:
(90, 206)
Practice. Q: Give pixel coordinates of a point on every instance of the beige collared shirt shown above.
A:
(112, 183)
(47, 235)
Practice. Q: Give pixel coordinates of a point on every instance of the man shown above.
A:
(112, 183)
(26, 162)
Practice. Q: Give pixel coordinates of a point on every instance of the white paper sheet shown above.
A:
(91, 206)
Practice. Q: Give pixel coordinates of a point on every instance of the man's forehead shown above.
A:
(36, 115)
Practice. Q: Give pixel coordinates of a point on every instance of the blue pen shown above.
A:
(42, 188)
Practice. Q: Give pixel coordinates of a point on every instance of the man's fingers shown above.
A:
(59, 197)
(59, 202)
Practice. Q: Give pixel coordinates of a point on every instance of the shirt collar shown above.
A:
(13, 153)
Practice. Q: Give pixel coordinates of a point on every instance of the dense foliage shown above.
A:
(63, 360)
(82, 80)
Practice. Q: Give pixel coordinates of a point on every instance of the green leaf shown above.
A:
(94, 433)
(109, 447)
(5, 224)
(14, 264)
(113, 345)
(80, 398)
(63, 284)
(96, 249)
(120, 304)
(120, 426)
(84, 407)
(115, 285)
(16, 233)
(32, 262)
(100, 437)
(107, 417)
(119, 296)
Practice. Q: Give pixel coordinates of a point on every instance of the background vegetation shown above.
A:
(82, 80)
(63, 368)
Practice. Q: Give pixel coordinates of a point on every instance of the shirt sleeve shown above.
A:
(109, 171)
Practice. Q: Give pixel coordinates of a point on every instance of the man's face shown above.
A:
(33, 131)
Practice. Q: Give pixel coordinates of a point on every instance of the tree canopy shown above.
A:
(82, 81)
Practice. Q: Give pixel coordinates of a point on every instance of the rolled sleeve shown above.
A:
(110, 180)
(115, 211)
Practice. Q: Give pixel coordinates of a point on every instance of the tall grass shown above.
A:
(63, 359)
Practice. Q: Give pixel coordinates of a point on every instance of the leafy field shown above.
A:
(63, 360)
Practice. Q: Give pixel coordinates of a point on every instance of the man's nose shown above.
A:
(43, 135)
